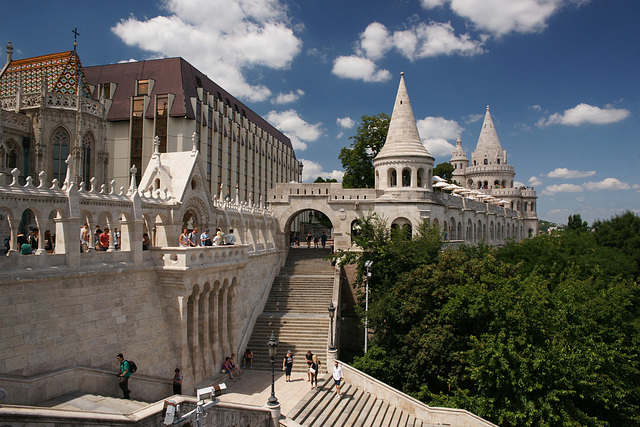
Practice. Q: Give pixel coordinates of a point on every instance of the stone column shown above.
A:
(131, 238)
(205, 347)
(224, 326)
(214, 313)
(68, 239)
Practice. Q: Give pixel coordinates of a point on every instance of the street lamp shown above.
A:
(332, 312)
(272, 345)
(367, 266)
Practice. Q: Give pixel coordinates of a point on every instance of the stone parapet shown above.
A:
(429, 415)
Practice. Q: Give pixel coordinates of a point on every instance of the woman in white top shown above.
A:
(218, 239)
(337, 377)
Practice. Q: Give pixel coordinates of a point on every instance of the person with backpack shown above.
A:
(123, 376)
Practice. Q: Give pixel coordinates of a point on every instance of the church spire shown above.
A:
(403, 138)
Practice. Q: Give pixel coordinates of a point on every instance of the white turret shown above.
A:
(459, 161)
(403, 163)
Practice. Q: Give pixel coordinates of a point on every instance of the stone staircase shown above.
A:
(296, 310)
(355, 408)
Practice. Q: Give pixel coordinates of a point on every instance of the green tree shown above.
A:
(444, 170)
(357, 159)
(575, 223)
(321, 179)
(621, 232)
(542, 332)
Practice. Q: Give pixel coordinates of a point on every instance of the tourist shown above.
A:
(315, 241)
(230, 238)
(177, 382)
(145, 242)
(116, 238)
(205, 238)
(247, 359)
(104, 240)
(287, 366)
(296, 239)
(183, 242)
(34, 237)
(193, 238)
(309, 237)
(338, 376)
(227, 368)
(218, 239)
(314, 369)
(123, 376)
(96, 238)
(309, 358)
(234, 367)
(323, 239)
(84, 238)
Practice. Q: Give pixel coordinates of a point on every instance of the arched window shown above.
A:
(393, 178)
(486, 161)
(12, 158)
(406, 178)
(87, 144)
(421, 182)
(60, 144)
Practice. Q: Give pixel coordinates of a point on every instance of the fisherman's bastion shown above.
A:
(155, 147)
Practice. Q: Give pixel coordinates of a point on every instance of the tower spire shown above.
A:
(403, 138)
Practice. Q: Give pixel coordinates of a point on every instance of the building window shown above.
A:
(162, 120)
(60, 153)
(87, 143)
(137, 122)
(142, 88)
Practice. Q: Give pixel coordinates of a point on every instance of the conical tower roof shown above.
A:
(458, 153)
(403, 139)
(488, 139)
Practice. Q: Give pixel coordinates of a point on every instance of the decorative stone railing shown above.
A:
(182, 258)
(12, 120)
(52, 100)
(490, 168)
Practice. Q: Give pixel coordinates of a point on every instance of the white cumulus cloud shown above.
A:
(607, 184)
(535, 181)
(312, 170)
(611, 184)
(434, 39)
(287, 98)
(222, 38)
(567, 173)
(435, 133)
(358, 68)
(297, 129)
(586, 114)
(345, 122)
(501, 17)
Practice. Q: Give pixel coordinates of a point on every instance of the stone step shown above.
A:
(369, 414)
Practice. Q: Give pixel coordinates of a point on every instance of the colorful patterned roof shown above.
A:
(62, 71)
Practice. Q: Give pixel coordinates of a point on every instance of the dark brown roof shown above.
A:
(171, 75)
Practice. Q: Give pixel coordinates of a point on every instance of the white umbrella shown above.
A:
(441, 184)
(436, 178)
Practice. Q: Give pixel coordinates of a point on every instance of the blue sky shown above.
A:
(561, 76)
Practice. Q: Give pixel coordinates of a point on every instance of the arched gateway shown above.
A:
(403, 195)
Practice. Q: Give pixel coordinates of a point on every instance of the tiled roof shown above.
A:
(61, 71)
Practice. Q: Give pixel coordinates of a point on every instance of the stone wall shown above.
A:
(54, 318)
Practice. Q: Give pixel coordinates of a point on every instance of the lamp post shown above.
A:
(332, 312)
(367, 266)
(272, 345)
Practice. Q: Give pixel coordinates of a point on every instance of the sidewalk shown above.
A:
(254, 388)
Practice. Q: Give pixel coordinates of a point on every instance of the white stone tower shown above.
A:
(489, 169)
(403, 163)
(460, 162)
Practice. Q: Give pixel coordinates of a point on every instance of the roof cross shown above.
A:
(75, 36)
